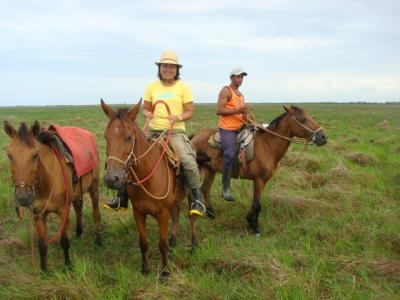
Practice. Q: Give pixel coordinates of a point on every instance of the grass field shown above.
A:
(330, 223)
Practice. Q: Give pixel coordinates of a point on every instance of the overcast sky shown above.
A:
(76, 52)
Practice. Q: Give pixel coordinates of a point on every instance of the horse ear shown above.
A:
(107, 110)
(288, 109)
(35, 129)
(132, 113)
(11, 132)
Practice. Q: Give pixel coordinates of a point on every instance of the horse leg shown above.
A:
(42, 244)
(252, 216)
(64, 242)
(192, 220)
(205, 188)
(163, 219)
(78, 204)
(174, 211)
(140, 220)
(94, 197)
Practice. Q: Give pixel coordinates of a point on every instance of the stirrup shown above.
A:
(196, 211)
(118, 208)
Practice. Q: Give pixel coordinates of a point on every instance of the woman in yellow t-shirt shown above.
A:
(178, 96)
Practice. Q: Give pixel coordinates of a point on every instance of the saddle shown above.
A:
(50, 137)
(77, 146)
(244, 145)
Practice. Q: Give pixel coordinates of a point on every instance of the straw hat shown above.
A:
(169, 57)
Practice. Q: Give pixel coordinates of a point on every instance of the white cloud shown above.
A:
(60, 50)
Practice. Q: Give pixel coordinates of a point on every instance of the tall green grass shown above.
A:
(330, 223)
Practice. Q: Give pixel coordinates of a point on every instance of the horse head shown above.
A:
(24, 158)
(120, 135)
(304, 126)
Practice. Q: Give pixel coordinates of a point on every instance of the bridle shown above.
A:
(313, 133)
(132, 159)
(303, 141)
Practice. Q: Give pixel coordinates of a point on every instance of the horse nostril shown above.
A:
(116, 178)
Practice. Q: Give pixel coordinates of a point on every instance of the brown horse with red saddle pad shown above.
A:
(152, 183)
(46, 183)
(270, 145)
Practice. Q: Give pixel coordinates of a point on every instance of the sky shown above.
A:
(76, 52)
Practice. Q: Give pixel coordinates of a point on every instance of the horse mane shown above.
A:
(275, 122)
(24, 135)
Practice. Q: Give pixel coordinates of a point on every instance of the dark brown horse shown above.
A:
(42, 180)
(269, 147)
(130, 159)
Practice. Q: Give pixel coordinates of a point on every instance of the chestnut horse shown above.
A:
(270, 145)
(43, 183)
(152, 184)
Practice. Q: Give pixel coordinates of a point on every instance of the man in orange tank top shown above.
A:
(232, 113)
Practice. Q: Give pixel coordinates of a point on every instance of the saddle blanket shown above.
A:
(82, 145)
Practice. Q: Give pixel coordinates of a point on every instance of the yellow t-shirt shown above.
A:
(175, 96)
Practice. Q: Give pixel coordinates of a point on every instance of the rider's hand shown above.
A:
(243, 109)
(148, 115)
(173, 119)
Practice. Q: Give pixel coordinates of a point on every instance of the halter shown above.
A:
(313, 132)
(308, 141)
(132, 159)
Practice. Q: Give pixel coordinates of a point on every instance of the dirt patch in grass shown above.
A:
(352, 140)
(361, 159)
(301, 205)
(383, 124)
(336, 147)
(340, 171)
(245, 266)
(310, 165)
(318, 180)
(367, 178)
(386, 267)
(13, 243)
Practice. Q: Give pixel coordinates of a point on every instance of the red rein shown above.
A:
(141, 181)
(39, 223)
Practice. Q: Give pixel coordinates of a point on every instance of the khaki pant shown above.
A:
(187, 156)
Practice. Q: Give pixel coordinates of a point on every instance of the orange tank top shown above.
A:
(232, 122)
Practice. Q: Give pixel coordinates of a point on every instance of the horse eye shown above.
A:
(128, 138)
(35, 156)
(9, 156)
(303, 120)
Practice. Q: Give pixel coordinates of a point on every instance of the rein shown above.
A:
(39, 222)
(133, 159)
(37, 215)
(303, 141)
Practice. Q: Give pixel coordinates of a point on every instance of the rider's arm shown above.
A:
(223, 97)
(147, 109)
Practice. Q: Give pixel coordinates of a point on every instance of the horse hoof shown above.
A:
(210, 212)
(98, 241)
(164, 275)
(44, 273)
(145, 271)
(68, 267)
(172, 242)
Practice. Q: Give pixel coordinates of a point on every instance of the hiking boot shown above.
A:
(226, 181)
(197, 207)
(118, 203)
